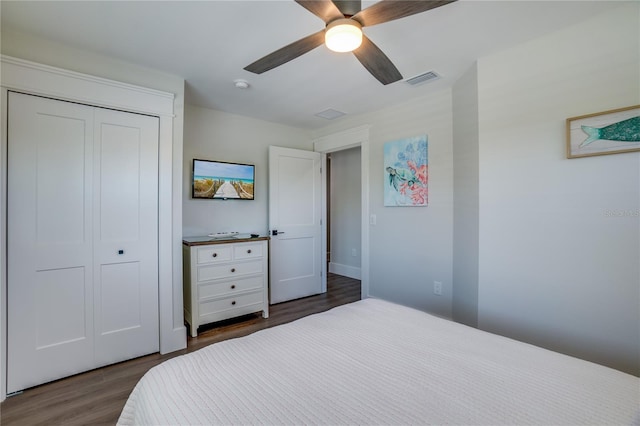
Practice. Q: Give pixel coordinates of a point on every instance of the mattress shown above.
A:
(375, 362)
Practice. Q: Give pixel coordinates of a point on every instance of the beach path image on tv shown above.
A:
(220, 180)
(226, 190)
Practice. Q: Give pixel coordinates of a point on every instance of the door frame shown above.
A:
(351, 138)
(44, 80)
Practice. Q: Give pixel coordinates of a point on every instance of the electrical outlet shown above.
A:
(353, 252)
(437, 288)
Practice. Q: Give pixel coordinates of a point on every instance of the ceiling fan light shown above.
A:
(343, 35)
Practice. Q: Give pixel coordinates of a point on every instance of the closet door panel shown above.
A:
(119, 172)
(60, 307)
(126, 236)
(49, 240)
(82, 238)
(120, 294)
(60, 179)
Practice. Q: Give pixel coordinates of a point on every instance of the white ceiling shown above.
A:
(209, 42)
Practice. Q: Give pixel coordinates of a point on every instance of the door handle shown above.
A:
(275, 232)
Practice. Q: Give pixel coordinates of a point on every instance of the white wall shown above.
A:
(217, 135)
(33, 48)
(410, 247)
(555, 269)
(345, 212)
(465, 198)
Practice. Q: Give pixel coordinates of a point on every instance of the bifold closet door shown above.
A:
(125, 230)
(82, 218)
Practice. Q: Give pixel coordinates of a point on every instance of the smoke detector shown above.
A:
(241, 84)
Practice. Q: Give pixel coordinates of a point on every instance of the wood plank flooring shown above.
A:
(97, 397)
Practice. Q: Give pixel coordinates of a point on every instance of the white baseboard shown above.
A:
(345, 270)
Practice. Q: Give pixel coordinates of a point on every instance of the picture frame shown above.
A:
(608, 132)
(406, 165)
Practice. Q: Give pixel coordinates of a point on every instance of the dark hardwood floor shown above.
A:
(97, 397)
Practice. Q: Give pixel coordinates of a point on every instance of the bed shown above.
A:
(375, 362)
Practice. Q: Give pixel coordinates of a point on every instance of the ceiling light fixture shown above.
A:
(343, 35)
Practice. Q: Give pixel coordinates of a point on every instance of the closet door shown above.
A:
(50, 240)
(82, 238)
(125, 235)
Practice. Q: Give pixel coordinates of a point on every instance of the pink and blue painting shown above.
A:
(406, 165)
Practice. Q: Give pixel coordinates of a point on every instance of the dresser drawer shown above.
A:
(214, 253)
(229, 270)
(231, 287)
(225, 305)
(247, 251)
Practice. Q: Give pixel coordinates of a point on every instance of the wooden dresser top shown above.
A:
(206, 240)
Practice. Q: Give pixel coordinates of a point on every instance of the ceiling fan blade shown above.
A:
(323, 9)
(287, 53)
(389, 10)
(376, 62)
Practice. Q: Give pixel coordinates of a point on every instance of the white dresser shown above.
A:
(224, 279)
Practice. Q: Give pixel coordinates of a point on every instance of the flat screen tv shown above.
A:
(218, 180)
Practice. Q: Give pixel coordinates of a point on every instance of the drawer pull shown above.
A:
(233, 303)
(233, 269)
(249, 251)
(233, 286)
(215, 254)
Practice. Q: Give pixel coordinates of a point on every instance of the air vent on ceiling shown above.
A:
(330, 114)
(427, 76)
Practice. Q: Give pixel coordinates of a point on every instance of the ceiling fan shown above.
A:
(343, 33)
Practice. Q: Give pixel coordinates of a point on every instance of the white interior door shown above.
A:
(72, 180)
(50, 240)
(295, 213)
(125, 235)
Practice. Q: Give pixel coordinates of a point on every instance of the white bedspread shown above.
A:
(374, 362)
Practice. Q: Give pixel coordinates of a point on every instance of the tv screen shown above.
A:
(218, 180)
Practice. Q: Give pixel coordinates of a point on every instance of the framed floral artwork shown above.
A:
(608, 132)
(406, 165)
